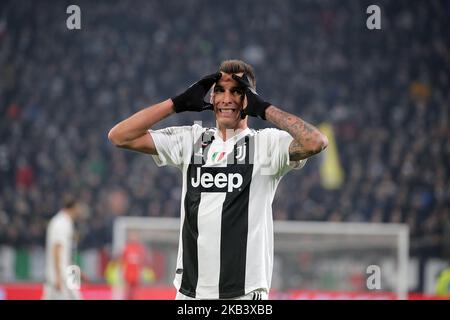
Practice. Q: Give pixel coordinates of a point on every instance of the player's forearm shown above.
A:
(139, 123)
(308, 140)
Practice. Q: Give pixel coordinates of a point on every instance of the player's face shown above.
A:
(228, 100)
(80, 212)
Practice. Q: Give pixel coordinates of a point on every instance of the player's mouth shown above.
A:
(227, 111)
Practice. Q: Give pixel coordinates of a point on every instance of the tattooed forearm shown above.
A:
(308, 140)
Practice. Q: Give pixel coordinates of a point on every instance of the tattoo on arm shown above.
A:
(305, 135)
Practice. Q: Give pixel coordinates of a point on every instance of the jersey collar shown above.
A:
(235, 138)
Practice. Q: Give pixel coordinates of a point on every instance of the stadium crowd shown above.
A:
(386, 93)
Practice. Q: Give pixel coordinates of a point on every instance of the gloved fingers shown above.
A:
(243, 81)
(209, 80)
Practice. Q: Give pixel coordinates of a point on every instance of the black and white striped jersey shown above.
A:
(226, 232)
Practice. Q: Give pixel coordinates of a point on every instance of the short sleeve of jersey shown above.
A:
(172, 145)
(278, 142)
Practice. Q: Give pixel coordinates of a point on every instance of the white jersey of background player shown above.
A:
(233, 99)
(60, 282)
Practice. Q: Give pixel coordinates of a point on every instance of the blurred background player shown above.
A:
(59, 245)
(133, 261)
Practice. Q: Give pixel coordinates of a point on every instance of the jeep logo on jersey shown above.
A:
(216, 181)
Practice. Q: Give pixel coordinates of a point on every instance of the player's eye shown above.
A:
(237, 91)
(218, 89)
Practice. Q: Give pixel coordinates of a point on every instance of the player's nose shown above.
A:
(227, 97)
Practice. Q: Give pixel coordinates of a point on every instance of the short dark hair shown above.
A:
(236, 66)
(69, 201)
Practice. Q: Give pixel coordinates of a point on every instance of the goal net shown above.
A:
(312, 260)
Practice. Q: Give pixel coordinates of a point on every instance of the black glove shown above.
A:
(256, 107)
(192, 98)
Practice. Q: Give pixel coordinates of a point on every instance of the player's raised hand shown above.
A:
(256, 107)
(193, 98)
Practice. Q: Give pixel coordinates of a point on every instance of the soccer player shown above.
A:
(230, 174)
(58, 252)
(133, 260)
